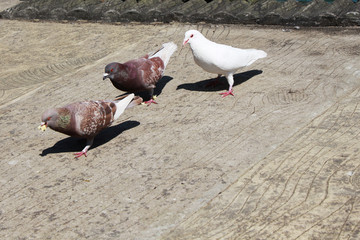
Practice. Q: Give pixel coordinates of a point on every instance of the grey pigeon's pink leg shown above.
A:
(231, 83)
(89, 142)
(149, 102)
(152, 99)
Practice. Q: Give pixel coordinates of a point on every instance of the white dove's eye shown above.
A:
(191, 35)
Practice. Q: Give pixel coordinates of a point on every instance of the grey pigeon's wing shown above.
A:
(142, 74)
(151, 71)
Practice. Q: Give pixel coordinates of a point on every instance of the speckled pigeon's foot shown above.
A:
(79, 154)
(227, 93)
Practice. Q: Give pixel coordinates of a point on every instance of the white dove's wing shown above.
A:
(230, 59)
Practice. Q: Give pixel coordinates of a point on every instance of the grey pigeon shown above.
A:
(219, 58)
(140, 74)
(86, 119)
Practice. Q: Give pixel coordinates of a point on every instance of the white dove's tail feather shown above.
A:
(165, 52)
(262, 54)
(121, 105)
(256, 54)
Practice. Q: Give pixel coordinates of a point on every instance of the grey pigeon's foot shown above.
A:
(152, 100)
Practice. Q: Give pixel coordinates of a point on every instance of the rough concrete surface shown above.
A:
(279, 160)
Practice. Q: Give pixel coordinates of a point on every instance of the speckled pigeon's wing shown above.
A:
(89, 118)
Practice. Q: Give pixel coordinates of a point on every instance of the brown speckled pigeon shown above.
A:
(140, 74)
(86, 119)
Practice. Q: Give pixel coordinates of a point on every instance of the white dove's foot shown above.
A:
(227, 93)
(79, 154)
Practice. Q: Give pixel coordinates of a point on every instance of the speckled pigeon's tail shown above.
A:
(165, 52)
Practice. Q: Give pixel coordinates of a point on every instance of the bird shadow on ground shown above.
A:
(72, 144)
(202, 85)
(157, 91)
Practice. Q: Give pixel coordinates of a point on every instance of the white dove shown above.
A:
(219, 58)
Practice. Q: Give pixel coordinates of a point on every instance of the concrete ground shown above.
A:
(279, 160)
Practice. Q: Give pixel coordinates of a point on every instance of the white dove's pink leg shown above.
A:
(89, 142)
(231, 83)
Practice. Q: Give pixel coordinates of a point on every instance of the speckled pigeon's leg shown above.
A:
(215, 82)
(89, 142)
(231, 83)
(152, 99)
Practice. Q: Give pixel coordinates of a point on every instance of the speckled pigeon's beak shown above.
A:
(43, 126)
(106, 75)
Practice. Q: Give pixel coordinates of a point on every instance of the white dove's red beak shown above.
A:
(185, 41)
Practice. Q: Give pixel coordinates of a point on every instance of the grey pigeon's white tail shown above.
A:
(165, 52)
(121, 105)
(136, 101)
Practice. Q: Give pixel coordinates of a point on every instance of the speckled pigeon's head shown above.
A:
(49, 118)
